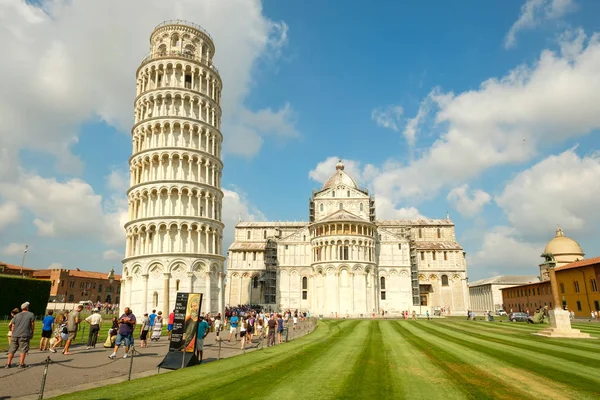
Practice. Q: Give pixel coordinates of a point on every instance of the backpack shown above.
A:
(65, 331)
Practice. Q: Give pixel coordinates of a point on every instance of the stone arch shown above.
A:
(176, 261)
(155, 270)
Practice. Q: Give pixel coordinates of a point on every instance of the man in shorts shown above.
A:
(203, 329)
(72, 325)
(23, 326)
(125, 335)
(233, 323)
(47, 329)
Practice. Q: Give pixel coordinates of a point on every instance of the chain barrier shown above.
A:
(133, 351)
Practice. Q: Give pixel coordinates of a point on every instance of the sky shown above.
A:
(489, 111)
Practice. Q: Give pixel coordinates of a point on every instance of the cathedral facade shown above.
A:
(345, 262)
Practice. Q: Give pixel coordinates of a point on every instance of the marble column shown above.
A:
(221, 294)
(191, 279)
(145, 294)
(166, 288)
(207, 296)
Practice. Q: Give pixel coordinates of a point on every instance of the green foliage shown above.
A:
(16, 291)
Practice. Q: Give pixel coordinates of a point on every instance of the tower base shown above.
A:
(560, 327)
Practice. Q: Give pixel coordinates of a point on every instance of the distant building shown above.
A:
(576, 279)
(527, 298)
(73, 286)
(577, 288)
(486, 294)
(9, 269)
(561, 250)
(345, 261)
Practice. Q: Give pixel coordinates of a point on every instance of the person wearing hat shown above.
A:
(95, 321)
(23, 326)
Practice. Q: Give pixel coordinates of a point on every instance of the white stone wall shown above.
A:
(352, 200)
(352, 284)
(174, 232)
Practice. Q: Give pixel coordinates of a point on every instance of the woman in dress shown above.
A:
(157, 328)
(60, 332)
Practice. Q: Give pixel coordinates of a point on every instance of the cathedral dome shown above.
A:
(562, 244)
(339, 177)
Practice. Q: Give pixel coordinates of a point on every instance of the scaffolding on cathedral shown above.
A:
(269, 278)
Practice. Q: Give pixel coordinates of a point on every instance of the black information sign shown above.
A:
(181, 305)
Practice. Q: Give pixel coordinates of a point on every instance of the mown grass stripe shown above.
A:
(415, 376)
(577, 356)
(214, 375)
(542, 387)
(370, 377)
(526, 359)
(274, 373)
(336, 361)
(506, 330)
(582, 345)
(475, 383)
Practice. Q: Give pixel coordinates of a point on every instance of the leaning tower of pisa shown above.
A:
(174, 231)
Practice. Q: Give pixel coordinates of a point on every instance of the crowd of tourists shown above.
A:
(60, 329)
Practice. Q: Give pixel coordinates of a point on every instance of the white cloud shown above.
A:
(412, 125)
(67, 209)
(536, 12)
(14, 249)
(467, 204)
(236, 206)
(118, 181)
(388, 117)
(362, 175)
(55, 265)
(245, 135)
(69, 68)
(9, 214)
(492, 259)
(386, 210)
(506, 121)
(561, 189)
(112, 255)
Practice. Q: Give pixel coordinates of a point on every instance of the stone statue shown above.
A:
(538, 318)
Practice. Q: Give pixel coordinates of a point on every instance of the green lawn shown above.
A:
(351, 359)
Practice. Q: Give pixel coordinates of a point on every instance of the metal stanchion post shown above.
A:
(131, 363)
(183, 359)
(44, 378)
(219, 355)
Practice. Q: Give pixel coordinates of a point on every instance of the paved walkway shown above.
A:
(91, 368)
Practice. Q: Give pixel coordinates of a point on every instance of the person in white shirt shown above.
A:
(95, 321)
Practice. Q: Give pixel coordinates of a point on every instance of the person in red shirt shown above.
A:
(170, 325)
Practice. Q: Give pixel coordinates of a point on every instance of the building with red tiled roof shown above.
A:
(577, 284)
(76, 285)
(17, 270)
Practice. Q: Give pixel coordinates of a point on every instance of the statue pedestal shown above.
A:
(560, 327)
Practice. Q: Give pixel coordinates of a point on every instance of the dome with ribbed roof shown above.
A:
(339, 177)
(563, 245)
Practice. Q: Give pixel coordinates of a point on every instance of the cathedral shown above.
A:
(345, 262)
